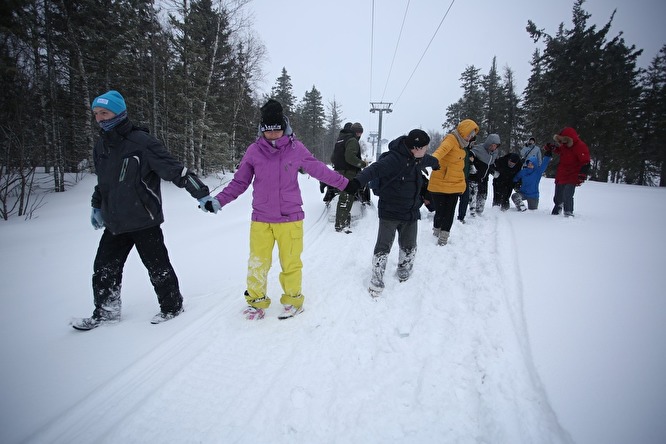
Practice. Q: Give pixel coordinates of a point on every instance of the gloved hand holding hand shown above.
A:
(353, 186)
(209, 204)
(96, 219)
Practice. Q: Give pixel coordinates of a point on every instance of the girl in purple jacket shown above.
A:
(272, 165)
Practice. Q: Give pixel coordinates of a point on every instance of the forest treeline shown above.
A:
(190, 70)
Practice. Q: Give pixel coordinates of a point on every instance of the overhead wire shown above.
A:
(425, 51)
(372, 40)
(397, 43)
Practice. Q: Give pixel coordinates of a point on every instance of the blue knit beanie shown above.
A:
(111, 100)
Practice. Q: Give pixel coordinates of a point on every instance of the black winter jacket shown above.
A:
(347, 153)
(130, 164)
(401, 181)
(506, 173)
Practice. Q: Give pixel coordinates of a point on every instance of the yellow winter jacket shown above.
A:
(450, 178)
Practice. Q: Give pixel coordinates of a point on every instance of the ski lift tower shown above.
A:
(372, 138)
(381, 108)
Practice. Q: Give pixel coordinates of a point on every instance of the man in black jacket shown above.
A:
(400, 184)
(127, 203)
(506, 167)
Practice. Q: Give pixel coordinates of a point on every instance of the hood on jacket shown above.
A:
(531, 159)
(566, 137)
(398, 145)
(465, 127)
(492, 138)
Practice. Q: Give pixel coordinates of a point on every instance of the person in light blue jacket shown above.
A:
(527, 181)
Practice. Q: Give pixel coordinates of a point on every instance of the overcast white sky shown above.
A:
(328, 45)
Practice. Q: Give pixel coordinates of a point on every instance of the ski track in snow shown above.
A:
(221, 364)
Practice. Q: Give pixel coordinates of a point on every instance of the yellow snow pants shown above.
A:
(289, 238)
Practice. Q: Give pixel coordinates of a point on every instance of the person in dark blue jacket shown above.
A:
(528, 180)
(399, 171)
(127, 203)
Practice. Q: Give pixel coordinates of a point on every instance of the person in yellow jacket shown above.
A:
(447, 183)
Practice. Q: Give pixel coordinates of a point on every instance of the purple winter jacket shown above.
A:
(274, 167)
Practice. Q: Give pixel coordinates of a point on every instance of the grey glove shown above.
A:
(96, 219)
(209, 205)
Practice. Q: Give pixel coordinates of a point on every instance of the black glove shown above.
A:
(581, 178)
(353, 186)
(549, 149)
(517, 185)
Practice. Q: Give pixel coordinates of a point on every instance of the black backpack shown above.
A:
(338, 157)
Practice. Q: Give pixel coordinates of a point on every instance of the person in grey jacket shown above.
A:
(484, 155)
(127, 203)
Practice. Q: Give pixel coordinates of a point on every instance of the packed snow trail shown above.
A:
(442, 357)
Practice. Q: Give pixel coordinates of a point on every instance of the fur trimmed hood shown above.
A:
(568, 136)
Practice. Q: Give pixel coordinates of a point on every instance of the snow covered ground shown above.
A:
(526, 328)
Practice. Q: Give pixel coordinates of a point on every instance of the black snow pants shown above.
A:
(110, 261)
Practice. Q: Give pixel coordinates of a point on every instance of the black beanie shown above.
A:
(356, 128)
(513, 157)
(416, 139)
(272, 118)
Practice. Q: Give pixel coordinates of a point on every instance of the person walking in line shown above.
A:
(571, 171)
(400, 183)
(527, 181)
(463, 204)
(271, 165)
(485, 155)
(447, 183)
(127, 203)
(506, 167)
(346, 159)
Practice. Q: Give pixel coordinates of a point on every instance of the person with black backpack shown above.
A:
(399, 171)
(346, 160)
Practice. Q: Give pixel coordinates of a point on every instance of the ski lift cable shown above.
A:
(425, 51)
(372, 39)
(397, 43)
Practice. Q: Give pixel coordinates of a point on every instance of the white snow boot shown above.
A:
(290, 311)
(443, 238)
(163, 317)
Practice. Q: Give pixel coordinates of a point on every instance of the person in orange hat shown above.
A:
(447, 183)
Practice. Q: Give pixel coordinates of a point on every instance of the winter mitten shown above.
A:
(209, 205)
(581, 178)
(353, 186)
(96, 219)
